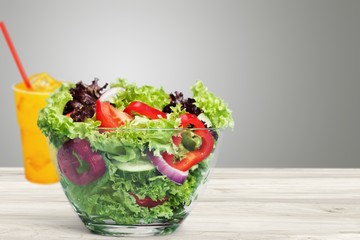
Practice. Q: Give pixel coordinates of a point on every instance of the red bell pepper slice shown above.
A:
(194, 157)
(144, 109)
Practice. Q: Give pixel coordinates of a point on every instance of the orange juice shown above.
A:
(38, 164)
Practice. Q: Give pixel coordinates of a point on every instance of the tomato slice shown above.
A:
(147, 201)
(109, 116)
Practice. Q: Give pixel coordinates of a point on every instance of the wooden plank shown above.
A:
(312, 204)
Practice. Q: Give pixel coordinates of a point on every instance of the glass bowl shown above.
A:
(119, 187)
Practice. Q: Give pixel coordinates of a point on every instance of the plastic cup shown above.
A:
(38, 165)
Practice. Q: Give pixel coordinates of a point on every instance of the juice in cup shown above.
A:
(38, 164)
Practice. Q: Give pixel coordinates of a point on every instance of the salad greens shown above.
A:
(60, 128)
(108, 198)
(153, 149)
(155, 97)
(213, 107)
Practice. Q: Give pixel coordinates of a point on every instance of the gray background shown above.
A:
(288, 69)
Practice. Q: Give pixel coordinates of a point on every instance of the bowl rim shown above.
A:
(119, 129)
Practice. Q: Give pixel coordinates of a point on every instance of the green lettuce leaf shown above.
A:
(155, 97)
(214, 107)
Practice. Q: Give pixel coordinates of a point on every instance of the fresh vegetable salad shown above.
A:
(133, 155)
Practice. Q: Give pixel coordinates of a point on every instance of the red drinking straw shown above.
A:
(15, 55)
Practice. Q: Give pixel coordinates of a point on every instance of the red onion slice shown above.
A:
(164, 168)
(106, 96)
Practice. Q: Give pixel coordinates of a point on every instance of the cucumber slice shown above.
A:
(135, 166)
(135, 170)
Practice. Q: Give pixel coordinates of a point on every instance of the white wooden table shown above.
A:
(256, 204)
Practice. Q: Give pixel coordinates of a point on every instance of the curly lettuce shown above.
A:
(109, 199)
(155, 97)
(214, 107)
